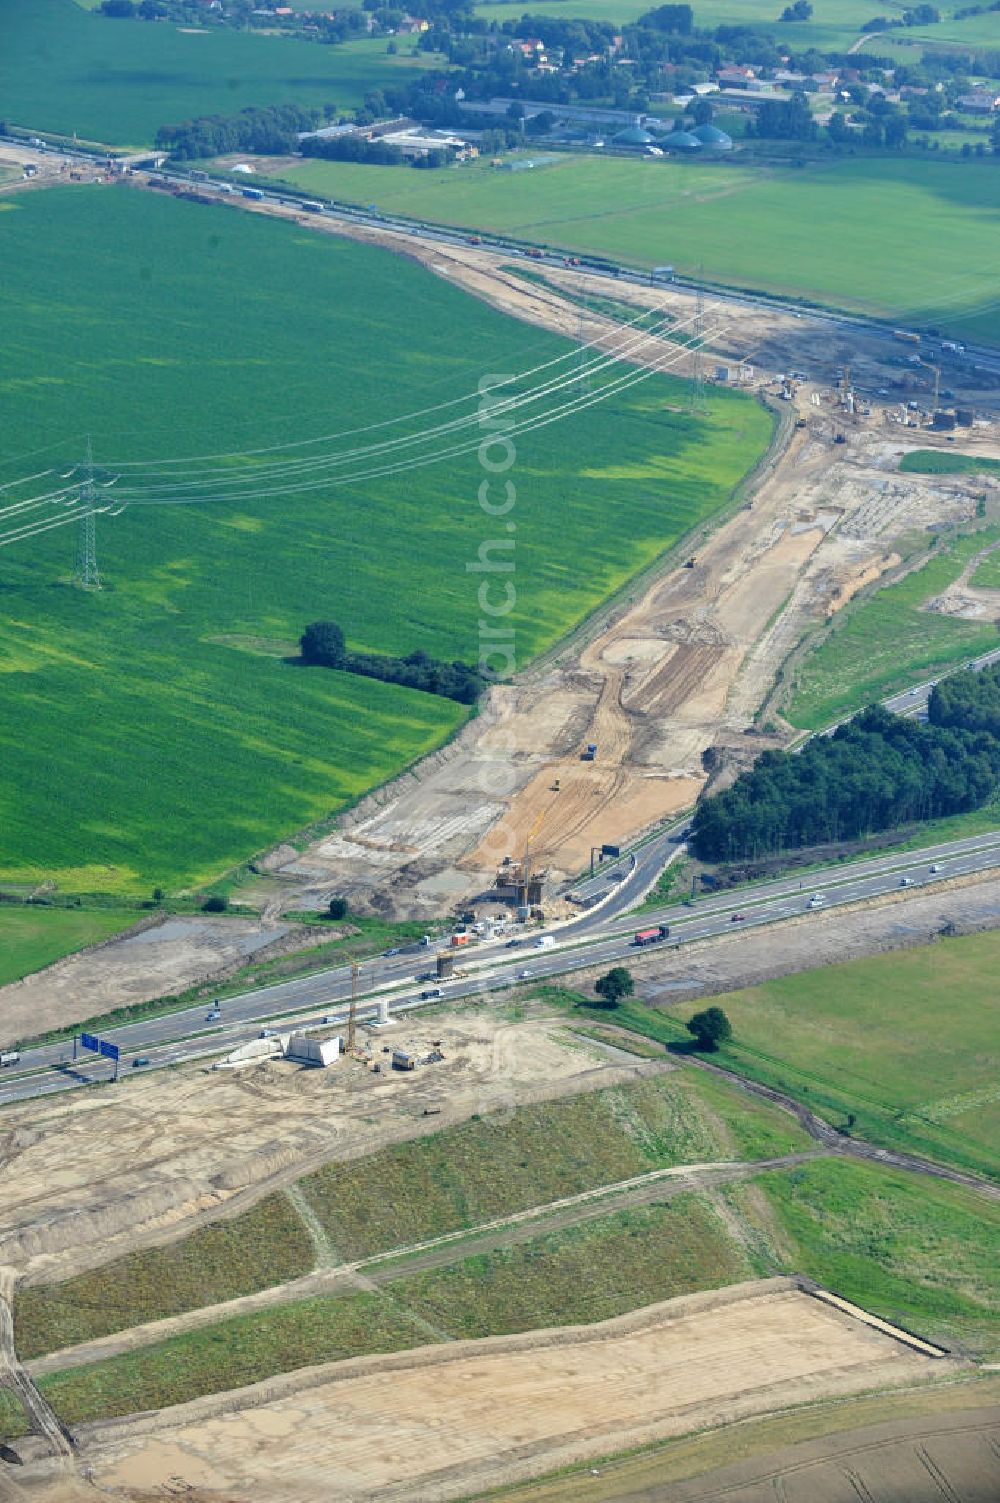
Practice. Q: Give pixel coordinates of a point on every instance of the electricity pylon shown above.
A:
(697, 403)
(87, 576)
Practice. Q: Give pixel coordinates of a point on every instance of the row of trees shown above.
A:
(270, 130)
(875, 773)
(322, 644)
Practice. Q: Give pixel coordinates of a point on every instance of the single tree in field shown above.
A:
(710, 1028)
(614, 986)
(323, 642)
(337, 908)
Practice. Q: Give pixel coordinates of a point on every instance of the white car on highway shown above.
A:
(816, 901)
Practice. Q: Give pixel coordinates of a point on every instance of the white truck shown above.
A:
(544, 942)
(9, 1057)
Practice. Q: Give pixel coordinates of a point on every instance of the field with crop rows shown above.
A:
(162, 709)
(889, 639)
(872, 235)
(63, 69)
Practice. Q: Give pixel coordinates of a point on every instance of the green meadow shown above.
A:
(67, 70)
(947, 462)
(32, 937)
(154, 733)
(907, 1042)
(834, 23)
(916, 1252)
(889, 639)
(876, 235)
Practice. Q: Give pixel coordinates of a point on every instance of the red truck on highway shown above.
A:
(651, 936)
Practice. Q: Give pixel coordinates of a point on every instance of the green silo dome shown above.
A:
(710, 135)
(682, 140)
(634, 136)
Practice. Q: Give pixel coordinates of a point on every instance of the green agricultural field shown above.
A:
(588, 1273)
(13, 1420)
(245, 1349)
(162, 708)
(32, 937)
(907, 1042)
(585, 1273)
(834, 23)
(987, 574)
(888, 640)
(872, 235)
(487, 1169)
(950, 34)
(916, 1252)
(947, 462)
(263, 1246)
(63, 69)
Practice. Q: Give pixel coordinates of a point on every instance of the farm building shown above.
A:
(419, 143)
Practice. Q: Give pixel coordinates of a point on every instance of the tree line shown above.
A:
(877, 772)
(968, 701)
(322, 644)
(272, 130)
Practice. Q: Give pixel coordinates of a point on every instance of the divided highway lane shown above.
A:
(914, 701)
(593, 940)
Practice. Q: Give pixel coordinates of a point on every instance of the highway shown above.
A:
(914, 701)
(979, 357)
(596, 938)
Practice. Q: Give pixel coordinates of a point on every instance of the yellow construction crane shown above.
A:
(929, 366)
(526, 868)
(352, 1016)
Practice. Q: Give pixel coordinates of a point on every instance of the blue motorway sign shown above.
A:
(91, 1041)
(110, 1051)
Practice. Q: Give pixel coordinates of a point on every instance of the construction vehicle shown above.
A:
(9, 1057)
